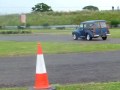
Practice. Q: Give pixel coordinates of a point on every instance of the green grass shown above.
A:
(82, 86)
(17, 48)
(14, 88)
(115, 33)
(28, 48)
(60, 18)
(91, 86)
(53, 31)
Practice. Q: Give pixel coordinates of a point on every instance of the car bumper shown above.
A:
(99, 35)
(108, 34)
(96, 35)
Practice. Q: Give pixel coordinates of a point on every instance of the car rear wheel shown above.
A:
(75, 37)
(88, 37)
(104, 38)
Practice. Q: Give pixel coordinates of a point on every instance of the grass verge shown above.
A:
(12, 48)
(84, 86)
(115, 33)
(17, 88)
(92, 86)
(53, 31)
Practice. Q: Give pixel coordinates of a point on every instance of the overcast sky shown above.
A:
(24, 6)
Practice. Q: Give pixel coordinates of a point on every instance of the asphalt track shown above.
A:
(52, 38)
(61, 68)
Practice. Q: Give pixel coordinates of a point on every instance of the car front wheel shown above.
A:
(88, 37)
(75, 37)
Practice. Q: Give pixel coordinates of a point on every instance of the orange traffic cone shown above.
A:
(41, 77)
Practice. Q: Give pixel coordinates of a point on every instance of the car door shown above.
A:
(97, 28)
(82, 32)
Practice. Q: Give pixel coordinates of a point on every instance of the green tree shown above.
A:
(41, 7)
(91, 8)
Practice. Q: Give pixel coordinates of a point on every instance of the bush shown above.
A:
(60, 28)
(28, 25)
(15, 32)
(21, 27)
(114, 23)
(0, 27)
(25, 32)
(45, 25)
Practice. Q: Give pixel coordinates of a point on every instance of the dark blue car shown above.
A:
(91, 29)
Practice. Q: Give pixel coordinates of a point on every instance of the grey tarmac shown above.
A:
(71, 68)
(53, 38)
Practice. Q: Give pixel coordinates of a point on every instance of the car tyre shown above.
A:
(88, 37)
(104, 38)
(75, 37)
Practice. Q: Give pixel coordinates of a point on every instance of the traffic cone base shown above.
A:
(44, 88)
(42, 81)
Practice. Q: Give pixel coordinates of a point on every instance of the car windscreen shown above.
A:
(101, 25)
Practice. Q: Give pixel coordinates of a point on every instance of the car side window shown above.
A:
(85, 25)
(91, 26)
(81, 25)
(88, 26)
(97, 25)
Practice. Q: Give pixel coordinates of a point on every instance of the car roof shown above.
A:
(93, 21)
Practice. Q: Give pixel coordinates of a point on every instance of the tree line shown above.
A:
(42, 7)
